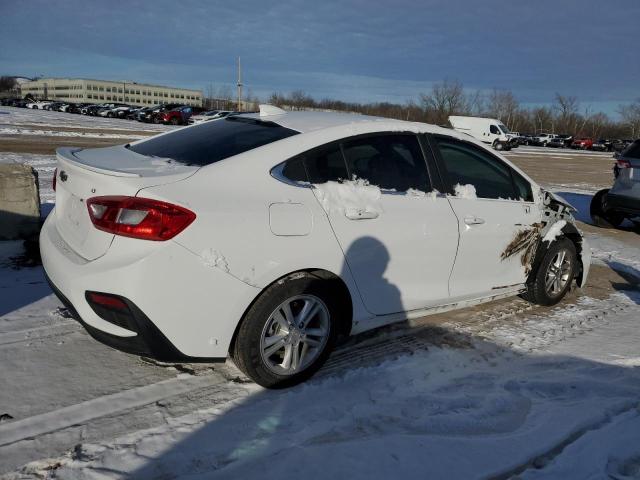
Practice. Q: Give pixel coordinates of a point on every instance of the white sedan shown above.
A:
(267, 236)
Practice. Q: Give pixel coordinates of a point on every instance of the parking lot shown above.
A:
(81, 395)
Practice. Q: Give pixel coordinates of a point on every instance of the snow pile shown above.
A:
(412, 192)
(212, 258)
(349, 195)
(554, 231)
(465, 191)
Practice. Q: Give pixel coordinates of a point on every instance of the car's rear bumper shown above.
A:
(622, 203)
(180, 308)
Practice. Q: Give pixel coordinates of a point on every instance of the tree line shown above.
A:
(563, 116)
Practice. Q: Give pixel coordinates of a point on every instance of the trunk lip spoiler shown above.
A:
(68, 154)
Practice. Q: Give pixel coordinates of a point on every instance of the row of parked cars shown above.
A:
(169, 113)
(552, 140)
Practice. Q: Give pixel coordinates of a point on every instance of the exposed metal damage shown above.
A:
(527, 240)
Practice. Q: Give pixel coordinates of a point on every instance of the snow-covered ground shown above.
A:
(27, 119)
(501, 391)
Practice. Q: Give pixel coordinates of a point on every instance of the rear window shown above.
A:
(213, 141)
(633, 150)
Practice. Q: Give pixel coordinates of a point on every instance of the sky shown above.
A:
(353, 50)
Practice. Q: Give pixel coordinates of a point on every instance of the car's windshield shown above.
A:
(503, 128)
(209, 142)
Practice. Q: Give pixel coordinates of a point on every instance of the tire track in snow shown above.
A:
(540, 461)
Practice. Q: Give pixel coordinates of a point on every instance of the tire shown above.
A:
(157, 120)
(260, 326)
(498, 146)
(552, 279)
(599, 216)
(175, 121)
(109, 115)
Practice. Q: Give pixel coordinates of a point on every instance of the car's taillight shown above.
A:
(623, 163)
(136, 217)
(53, 182)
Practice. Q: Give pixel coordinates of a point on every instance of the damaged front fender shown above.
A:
(557, 220)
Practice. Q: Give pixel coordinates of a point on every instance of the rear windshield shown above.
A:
(209, 142)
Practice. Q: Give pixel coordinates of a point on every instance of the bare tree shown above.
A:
(446, 98)
(502, 104)
(7, 84)
(631, 117)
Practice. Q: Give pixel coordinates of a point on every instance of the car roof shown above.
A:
(306, 121)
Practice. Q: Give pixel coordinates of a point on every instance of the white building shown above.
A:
(99, 91)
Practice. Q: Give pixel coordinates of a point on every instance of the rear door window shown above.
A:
(392, 162)
(467, 164)
(210, 142)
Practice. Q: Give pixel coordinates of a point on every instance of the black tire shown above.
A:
(175, 121)
(157, 120)
(610, 219)
(537, 291)
(246, 351)
(498, 146)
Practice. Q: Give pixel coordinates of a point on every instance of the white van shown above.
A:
(487, 130)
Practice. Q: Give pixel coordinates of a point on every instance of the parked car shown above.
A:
(53, 106)
(163, 261)
(486, 130)
(154, 114)
(620, 145)
(210, 115)
(566, 138)
(77, 107)
(556, 142)
(602, 145)
(114, 110)
(38, 105)
(583, 143)
(177, 116)
(542, 139)
(610, 207)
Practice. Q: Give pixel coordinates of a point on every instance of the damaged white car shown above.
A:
(268, 236)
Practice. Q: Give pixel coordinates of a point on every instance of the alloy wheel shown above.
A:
(558, 273)
(295, 334)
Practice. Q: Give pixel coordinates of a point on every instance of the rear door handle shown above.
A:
(470, 220)
(360, 214)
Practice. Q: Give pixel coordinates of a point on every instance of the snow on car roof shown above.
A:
(306, 121)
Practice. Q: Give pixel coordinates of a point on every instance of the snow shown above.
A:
(30, 119)
(349, 195)
(57, 133)
(465, 191)
(45, 165)
(433, 194)
(554, 231)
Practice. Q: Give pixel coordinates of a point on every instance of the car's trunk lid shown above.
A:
(83, 174)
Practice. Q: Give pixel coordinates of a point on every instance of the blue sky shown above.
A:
(359, 50)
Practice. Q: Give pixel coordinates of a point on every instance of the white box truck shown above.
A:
(487, 130)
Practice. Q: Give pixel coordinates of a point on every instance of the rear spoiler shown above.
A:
(68, 155)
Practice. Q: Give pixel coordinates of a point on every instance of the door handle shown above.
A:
(360, 214)
(473, 220)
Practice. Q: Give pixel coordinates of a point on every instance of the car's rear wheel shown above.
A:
(601, 217)
(552, 280)
(288, 333)
(175, 121)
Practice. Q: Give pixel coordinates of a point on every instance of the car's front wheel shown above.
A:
(552, 279)
(288, 333)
